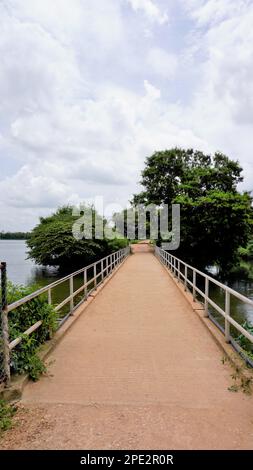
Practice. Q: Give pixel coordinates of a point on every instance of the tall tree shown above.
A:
(52, 243)
(216, 219)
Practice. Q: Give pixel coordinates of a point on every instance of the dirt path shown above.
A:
(137, 371)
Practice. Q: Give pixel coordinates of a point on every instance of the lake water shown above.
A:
(21, 270)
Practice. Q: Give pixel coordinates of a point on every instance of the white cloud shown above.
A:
(222, 109)
(162, 63)
(25, 189)
(213, 11)
(85, 95)
(151, 10)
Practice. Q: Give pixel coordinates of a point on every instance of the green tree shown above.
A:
(52, 243)
(216, 219)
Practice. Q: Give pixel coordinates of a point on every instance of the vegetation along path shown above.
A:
(137, 370)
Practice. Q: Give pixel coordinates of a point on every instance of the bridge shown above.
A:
(138, 366)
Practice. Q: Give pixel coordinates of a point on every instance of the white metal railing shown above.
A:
(98, 271)
(182, 270)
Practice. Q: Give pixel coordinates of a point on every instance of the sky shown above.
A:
(90, 88)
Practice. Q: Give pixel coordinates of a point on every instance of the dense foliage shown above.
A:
(52, 242)
(247, 253)
(216, 219)
(24, 358)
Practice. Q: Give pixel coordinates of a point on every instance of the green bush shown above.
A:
(6, 414)
(24, 357)
(245, 343)
(117, 244)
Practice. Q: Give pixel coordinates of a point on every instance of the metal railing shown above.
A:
(188, 276)
(93, 276)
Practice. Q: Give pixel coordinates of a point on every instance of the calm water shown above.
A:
(23, 271)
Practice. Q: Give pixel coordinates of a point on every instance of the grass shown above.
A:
(6, 414)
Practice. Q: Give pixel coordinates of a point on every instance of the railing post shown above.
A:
(95, 276)
(206, 297)
(227, 311)
(178, 270)
(194, 286)
(185, 277)
(5, 325)
(49, 299)
(102, 270)
(85, 284)
(106, 266)
(49, 296)
(71, 291)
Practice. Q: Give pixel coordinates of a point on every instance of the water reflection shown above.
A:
(41, 276)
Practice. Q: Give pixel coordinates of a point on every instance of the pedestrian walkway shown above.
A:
(138, 370)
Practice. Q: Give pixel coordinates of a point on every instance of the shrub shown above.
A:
(245, 343)
(6, 414)
(117, 244)
(24, 357)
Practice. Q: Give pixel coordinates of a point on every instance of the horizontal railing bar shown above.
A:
(219, 284)
(30, 330)
(76, 292)
(116, 258)
(216, 307)
(80, 289)
(64, 302)
(167, 261)
(45, 289)
(240, 328)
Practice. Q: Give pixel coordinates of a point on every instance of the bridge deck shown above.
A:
(137, 370)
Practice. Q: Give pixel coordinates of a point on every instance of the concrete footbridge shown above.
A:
(139, 364)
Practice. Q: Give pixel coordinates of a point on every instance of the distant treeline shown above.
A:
(14, 235)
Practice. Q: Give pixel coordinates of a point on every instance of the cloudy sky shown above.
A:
(89, 88)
